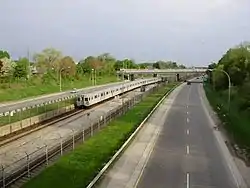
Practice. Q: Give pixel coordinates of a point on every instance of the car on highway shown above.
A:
(188, 83)
(74, 90)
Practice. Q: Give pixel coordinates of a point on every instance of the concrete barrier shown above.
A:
(19, 125)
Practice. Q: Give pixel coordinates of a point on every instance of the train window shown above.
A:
(86, 99)
(102, 94)
(107, 92)
(79, 99)
(95, 96)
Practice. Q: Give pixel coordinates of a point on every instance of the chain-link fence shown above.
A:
(30, 164)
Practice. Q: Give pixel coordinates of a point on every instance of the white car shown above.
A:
(74, 91)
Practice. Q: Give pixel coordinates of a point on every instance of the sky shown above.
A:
(191, 32)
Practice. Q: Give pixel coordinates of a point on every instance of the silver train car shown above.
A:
(95, 97)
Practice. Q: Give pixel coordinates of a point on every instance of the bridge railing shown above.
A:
(162, 70)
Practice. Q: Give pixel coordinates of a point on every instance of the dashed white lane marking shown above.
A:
(187, 112)
(188, 120)
(187, 149)
(188, 180)
(188, 132)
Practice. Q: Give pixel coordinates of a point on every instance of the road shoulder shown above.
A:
(128, 168)
(239, 170)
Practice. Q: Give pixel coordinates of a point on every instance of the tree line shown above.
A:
(50, 63)
(235, 62)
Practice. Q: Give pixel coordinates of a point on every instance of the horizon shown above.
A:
(193, 33)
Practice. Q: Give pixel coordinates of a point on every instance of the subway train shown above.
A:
(88, 99)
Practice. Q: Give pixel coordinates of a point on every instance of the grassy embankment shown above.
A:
(237, 122)
(21, 90)
(78, 168)
(15, 93)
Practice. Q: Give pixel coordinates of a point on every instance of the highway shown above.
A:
(177, 148)
(186, 152)
(42, 99)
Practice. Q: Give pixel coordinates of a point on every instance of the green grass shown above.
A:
(78, 168)
(237, 123)
(34, 87)
(34, 112)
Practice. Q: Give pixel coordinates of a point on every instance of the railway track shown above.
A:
(41, 125)
(33, 166)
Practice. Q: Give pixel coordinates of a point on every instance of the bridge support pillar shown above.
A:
(177, 77)
(132, 77)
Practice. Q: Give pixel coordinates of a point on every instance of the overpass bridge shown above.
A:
(176, 74)
(160, 71)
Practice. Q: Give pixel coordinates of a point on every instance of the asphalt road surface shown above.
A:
(186, 154)
(38, 100)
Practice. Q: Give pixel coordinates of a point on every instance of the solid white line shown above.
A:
(188, 132)
(188, 120)
(119, 152)
(188, 180)
(238, 179)
(187, 149)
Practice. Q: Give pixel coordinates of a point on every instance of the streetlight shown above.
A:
(229, 85)
(61, 77)
(93, 76)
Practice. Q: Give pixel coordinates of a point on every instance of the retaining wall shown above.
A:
(17, 126)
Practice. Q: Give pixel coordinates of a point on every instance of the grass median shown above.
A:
(78, 168)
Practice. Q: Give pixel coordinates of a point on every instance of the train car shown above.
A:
(95, 97)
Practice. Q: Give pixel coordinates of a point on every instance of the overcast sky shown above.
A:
(192, 32)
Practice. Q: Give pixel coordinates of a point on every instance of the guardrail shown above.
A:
(124, 146)
(157, 71)
(32, 163)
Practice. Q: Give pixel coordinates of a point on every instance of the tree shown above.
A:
(236, 63)
(6, 66)
(108, 62)
(4, 54)
(49, 58)
(67, 66)
(22, 68)
(156, 65)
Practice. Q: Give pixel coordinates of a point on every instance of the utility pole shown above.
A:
(29, 69)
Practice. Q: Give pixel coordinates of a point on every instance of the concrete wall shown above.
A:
(17, 126)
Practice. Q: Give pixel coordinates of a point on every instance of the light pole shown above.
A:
(92, 76)
(60, 74)
(229, 84)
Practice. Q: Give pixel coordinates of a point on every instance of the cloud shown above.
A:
(193, 32)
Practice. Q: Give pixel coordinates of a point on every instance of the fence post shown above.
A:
(73, 138)
(61, 143)
(83, 134)
(46, 154)
(91, 129)
(3, 176)
(28, 163)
